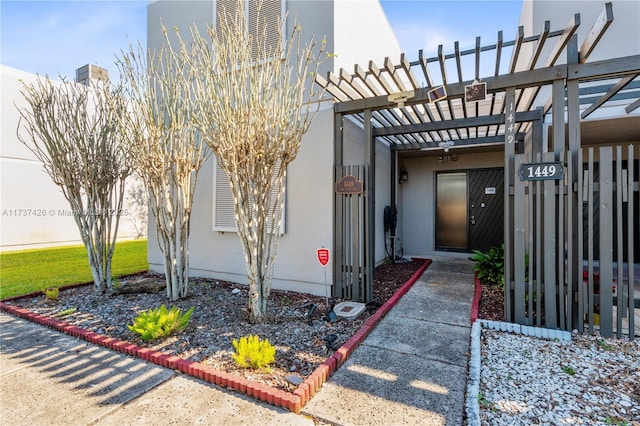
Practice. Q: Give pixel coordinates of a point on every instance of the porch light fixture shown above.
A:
(446, 145)
(400, 98)
(404, 175)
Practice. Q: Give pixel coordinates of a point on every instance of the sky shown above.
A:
(56, 37)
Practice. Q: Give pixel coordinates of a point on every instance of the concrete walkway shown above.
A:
(410, 370)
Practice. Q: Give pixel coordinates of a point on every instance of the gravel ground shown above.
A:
(220, 316)
(587, 381)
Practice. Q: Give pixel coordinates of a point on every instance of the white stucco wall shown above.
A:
(362, 33)
(621, 39)
(33, 210)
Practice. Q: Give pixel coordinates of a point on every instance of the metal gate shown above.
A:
(586, 281)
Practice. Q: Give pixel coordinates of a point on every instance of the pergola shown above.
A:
(423, 106)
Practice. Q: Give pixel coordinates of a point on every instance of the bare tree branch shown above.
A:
(73, 130)
(255, 100)
(166, 146)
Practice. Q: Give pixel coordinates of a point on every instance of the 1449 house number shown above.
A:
(541, 171)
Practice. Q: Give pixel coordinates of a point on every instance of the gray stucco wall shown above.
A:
(416, 215)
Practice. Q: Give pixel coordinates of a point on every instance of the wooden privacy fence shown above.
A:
(586, 280)
(352, 270)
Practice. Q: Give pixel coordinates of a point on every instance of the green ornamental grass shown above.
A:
(160, 323)
(251, 352)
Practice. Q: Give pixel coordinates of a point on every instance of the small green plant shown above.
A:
(161, 322)
(52, 293)
(570, 371)
(483, 401)
(253, 352)
(66, 312)
(116, 284)
(615, 421)
(604, 345)
(285, 301)
(490, 266)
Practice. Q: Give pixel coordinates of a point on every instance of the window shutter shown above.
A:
(223, 214)
(224, 8)
(270, 15)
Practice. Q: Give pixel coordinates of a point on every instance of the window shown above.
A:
(272, 13)
(223, 213)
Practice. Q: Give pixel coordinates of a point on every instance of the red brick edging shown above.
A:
(475, 304)
(279, 398)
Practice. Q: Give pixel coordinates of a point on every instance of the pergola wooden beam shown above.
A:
(611, 93)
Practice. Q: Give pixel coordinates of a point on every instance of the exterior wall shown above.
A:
(362, 33)
(416, 199)
(309, 188)
(24, 185)
(621, 39)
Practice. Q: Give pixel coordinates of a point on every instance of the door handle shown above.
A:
(472, 219)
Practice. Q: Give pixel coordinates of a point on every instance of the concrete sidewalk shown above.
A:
(410, 370)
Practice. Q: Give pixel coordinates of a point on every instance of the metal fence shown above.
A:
(572, 257)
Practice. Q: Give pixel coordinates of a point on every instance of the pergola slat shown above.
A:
(615, 89)
(425, 69)
(406, 66)
(456, 47)
(370, 88)
(564, 39)
(516, 50)
(478, 50)
(596, 32)
(362, 75)
(377, 74)
(346, 88)
(635, 105)
(391, 70)
(344, 75)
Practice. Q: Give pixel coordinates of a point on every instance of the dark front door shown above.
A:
(486, 208)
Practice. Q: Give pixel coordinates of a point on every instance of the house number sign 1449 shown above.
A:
(541, 171)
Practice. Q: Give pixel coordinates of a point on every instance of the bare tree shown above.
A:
(73, 130)
(166, 146)
(256, 100)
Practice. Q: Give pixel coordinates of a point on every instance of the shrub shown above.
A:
(490, 266)
(253, 352)
(52, 293)
(161, 322)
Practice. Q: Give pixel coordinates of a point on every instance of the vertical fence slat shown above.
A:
(620, 311)
(590, 245)
(338, 250)
(537, 278)
(630, 241)
(519, 245)
(606, 243)
(549, 249)
(565, 321)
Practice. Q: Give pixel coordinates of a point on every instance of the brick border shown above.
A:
(291, 401)
(475, 304)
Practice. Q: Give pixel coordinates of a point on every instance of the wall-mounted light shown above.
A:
(404, 175)
(446, 145)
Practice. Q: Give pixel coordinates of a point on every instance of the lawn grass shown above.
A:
(27, 271)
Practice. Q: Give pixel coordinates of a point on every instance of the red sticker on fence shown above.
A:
(323, 256)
